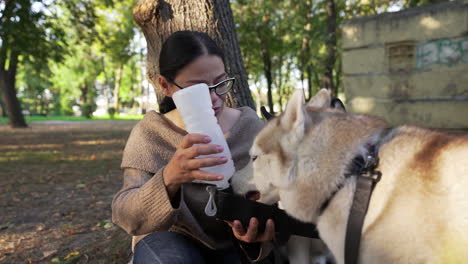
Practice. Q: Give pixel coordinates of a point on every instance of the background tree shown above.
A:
(158, 19)
(115, 38)
(27, 35)
(330, 43)
(91, 54)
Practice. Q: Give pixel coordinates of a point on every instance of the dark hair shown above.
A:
(179, 50)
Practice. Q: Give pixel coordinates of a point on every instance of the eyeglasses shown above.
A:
(220, 88)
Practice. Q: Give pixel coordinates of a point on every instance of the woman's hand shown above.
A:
(185, 167)
(251, 235)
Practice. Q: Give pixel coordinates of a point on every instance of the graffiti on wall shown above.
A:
(446, 52)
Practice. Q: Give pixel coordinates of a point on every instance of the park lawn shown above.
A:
(29, 119)
(57, 183)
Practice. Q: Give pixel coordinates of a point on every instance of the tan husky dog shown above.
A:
(418, 212)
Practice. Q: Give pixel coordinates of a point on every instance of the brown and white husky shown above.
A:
(418, 212)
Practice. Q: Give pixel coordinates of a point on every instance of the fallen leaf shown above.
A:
(81, 185)
(93, 157)
(49, 253)
(71, 232)
(72, 254)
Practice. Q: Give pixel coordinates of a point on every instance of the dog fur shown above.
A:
(418, 212)
(297, 250)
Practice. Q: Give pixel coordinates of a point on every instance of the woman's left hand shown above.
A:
(251, 235)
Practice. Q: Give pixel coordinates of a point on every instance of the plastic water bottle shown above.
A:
(195, 107)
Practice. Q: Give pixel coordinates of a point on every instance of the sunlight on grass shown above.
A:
(4, 120)
(28, 155)
(97, 142)
(119, 117)
(34, 146)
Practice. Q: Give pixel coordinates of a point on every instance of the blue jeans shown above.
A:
(175, 248)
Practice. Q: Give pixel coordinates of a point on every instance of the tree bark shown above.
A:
(117, 83)
(7, 87)
(106, 83)
(160, 18)
(84, 92)
(2, 108)
(310, 82)
(331, 47)
(267, 65)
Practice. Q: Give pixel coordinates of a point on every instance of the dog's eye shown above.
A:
(254, 158)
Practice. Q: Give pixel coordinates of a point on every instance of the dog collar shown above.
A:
(361, 164)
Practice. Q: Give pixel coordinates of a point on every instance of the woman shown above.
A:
(158, 203)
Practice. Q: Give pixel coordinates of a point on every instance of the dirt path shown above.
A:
(56, 185)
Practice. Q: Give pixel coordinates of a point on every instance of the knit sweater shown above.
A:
(143, 205)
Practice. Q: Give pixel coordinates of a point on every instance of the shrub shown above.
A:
(111, 111)
(87, 109)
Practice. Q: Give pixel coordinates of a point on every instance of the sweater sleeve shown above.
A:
(143, 205)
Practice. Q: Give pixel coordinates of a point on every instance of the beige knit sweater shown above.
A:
(143, 206)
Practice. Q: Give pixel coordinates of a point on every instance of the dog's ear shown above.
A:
(321, 100)
(266, 114)
(293, 119)
(337, 104)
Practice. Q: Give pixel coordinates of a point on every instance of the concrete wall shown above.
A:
(410, 67)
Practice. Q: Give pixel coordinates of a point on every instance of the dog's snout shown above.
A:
(252, 195)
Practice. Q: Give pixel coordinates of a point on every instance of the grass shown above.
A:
(57, 182)
(4, 120)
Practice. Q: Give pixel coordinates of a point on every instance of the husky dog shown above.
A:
(297, 250)
(418, 212)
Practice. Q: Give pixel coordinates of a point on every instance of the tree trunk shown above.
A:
(7, 87)
(117, 83)
(160, 18)
(143, 94)
(337, 77)
(331, 47)
(310, 82)
(84, 93)
(2, 108)
(305, 47)
(267, 70)
(132, 89)
(106, 85)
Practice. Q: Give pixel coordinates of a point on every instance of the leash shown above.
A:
(366, 178)
(365, 183)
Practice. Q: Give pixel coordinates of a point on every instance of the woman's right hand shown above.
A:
(185, 167)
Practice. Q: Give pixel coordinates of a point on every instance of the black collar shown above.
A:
(361, 164)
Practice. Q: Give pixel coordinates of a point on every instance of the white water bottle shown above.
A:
(195, 107)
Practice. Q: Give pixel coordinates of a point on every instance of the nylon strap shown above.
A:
(362, 195)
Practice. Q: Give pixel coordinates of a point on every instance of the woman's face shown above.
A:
(207, 69)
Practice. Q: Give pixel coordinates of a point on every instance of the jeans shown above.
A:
(175, 248)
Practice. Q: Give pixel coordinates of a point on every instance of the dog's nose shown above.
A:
(252, 195)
